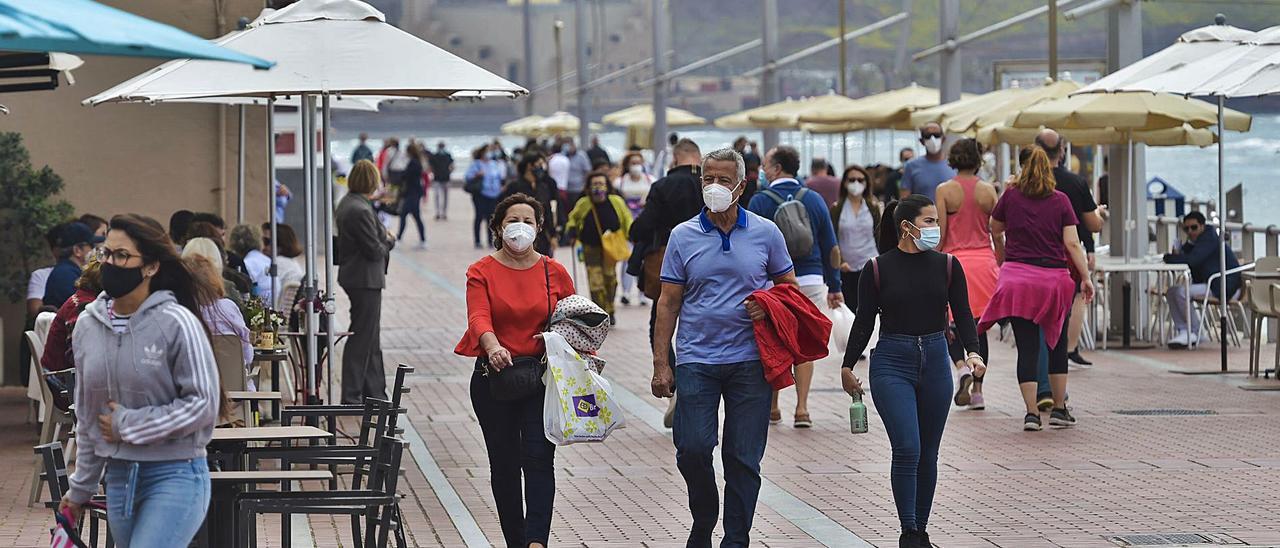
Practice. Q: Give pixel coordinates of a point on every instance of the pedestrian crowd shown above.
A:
(749, 267)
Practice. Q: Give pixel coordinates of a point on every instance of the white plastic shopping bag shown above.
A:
(578, 406)
(841, 322)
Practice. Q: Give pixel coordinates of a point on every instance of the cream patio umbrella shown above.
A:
(941, 113)
(880, 110)
(322, 49)
(1184, 135)
(789, 116)
(1134, 111)
(1190, 47)
(996, 110)
(524, 127)
(560, 123)
(742, 120)
(639, 122)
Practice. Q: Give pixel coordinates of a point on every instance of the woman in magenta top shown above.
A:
(1037, 285)
(510, 294)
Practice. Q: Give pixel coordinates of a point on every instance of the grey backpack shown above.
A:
(793, 220)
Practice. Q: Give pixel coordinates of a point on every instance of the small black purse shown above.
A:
(523, 378)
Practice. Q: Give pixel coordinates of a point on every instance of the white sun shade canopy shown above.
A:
(334, 46)
(1192, 46)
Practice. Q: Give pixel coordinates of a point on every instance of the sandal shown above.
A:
(775, 416)
(803, 421)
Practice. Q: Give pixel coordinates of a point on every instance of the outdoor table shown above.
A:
(1106, 266)
(253, 398)
(232, 441)
(274, 356)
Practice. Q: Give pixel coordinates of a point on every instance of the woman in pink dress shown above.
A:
(964, 211)
(1042, 261)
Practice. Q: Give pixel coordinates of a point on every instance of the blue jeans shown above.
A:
(911, 388)
(746, 429)
(156, 504)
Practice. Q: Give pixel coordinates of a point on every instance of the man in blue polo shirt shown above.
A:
(923, 174)
(712, 264)
(817, 271)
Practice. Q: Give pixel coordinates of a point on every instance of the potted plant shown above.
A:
(263, 322)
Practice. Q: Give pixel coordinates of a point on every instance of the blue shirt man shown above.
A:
(922, 175)
(712, 263)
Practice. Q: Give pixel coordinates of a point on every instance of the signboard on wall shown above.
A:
(1030, 73)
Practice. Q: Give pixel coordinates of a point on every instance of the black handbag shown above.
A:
(523, 378)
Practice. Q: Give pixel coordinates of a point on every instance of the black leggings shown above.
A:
(411, 208)
(1026, 334)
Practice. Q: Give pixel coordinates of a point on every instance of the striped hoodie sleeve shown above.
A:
(196, 377)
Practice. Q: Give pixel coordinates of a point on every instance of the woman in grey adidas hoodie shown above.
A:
(147, 396)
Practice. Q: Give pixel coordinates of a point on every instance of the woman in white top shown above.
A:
(634, 186)
(246, 241)
(856, 217)
(289, 269)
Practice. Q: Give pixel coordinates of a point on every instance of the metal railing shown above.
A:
(1246, 239)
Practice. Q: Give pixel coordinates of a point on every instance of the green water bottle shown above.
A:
(857, 415)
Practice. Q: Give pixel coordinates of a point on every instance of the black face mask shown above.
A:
(118, 282)
(539, 172)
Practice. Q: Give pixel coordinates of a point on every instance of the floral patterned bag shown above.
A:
(578, 405)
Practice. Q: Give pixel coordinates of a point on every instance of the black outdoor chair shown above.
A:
(375, 429)
(54, 477)
(375, 503)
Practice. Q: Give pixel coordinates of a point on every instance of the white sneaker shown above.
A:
(1181, 339)
(1193, 339)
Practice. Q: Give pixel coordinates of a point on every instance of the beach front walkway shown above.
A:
(1155, 452)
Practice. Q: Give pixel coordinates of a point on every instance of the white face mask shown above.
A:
(855, 189)
(518, 236)
(933, 145)
(717, 197)
(636, 170)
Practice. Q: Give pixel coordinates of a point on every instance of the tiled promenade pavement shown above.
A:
(1113, 474)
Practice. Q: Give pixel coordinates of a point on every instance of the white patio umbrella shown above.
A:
(324, 48)
(1238, 70)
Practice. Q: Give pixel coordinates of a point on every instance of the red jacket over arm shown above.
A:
(795, 331)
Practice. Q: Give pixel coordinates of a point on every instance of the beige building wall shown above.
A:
(148, 159)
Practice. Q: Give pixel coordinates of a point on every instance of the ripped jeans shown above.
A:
(156, 504)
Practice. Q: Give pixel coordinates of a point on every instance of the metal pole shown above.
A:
(528, 55)
(844, 90)
(949, 80)
(659, 81)
(330, 305)
(240, 171)
(559, 26)
(580, 53)
(1053, 39)
(271, 199)
(308, 111)
(900, 50)
(769, 78)
(1222, 234)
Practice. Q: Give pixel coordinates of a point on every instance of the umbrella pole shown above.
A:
(1129, 223)
(844, 149)
(1222, 235)
(309, 282)
(330, 305)
(240, 171)
(271, 201)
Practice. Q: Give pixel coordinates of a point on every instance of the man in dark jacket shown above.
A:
(364, 247)
(673, 199)
(1200, 252)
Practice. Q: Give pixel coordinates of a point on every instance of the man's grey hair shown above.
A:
(727, 155)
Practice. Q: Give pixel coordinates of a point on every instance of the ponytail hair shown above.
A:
(906, 209)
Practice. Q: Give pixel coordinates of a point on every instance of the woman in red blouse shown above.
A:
(57, 345)
(510, 294)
